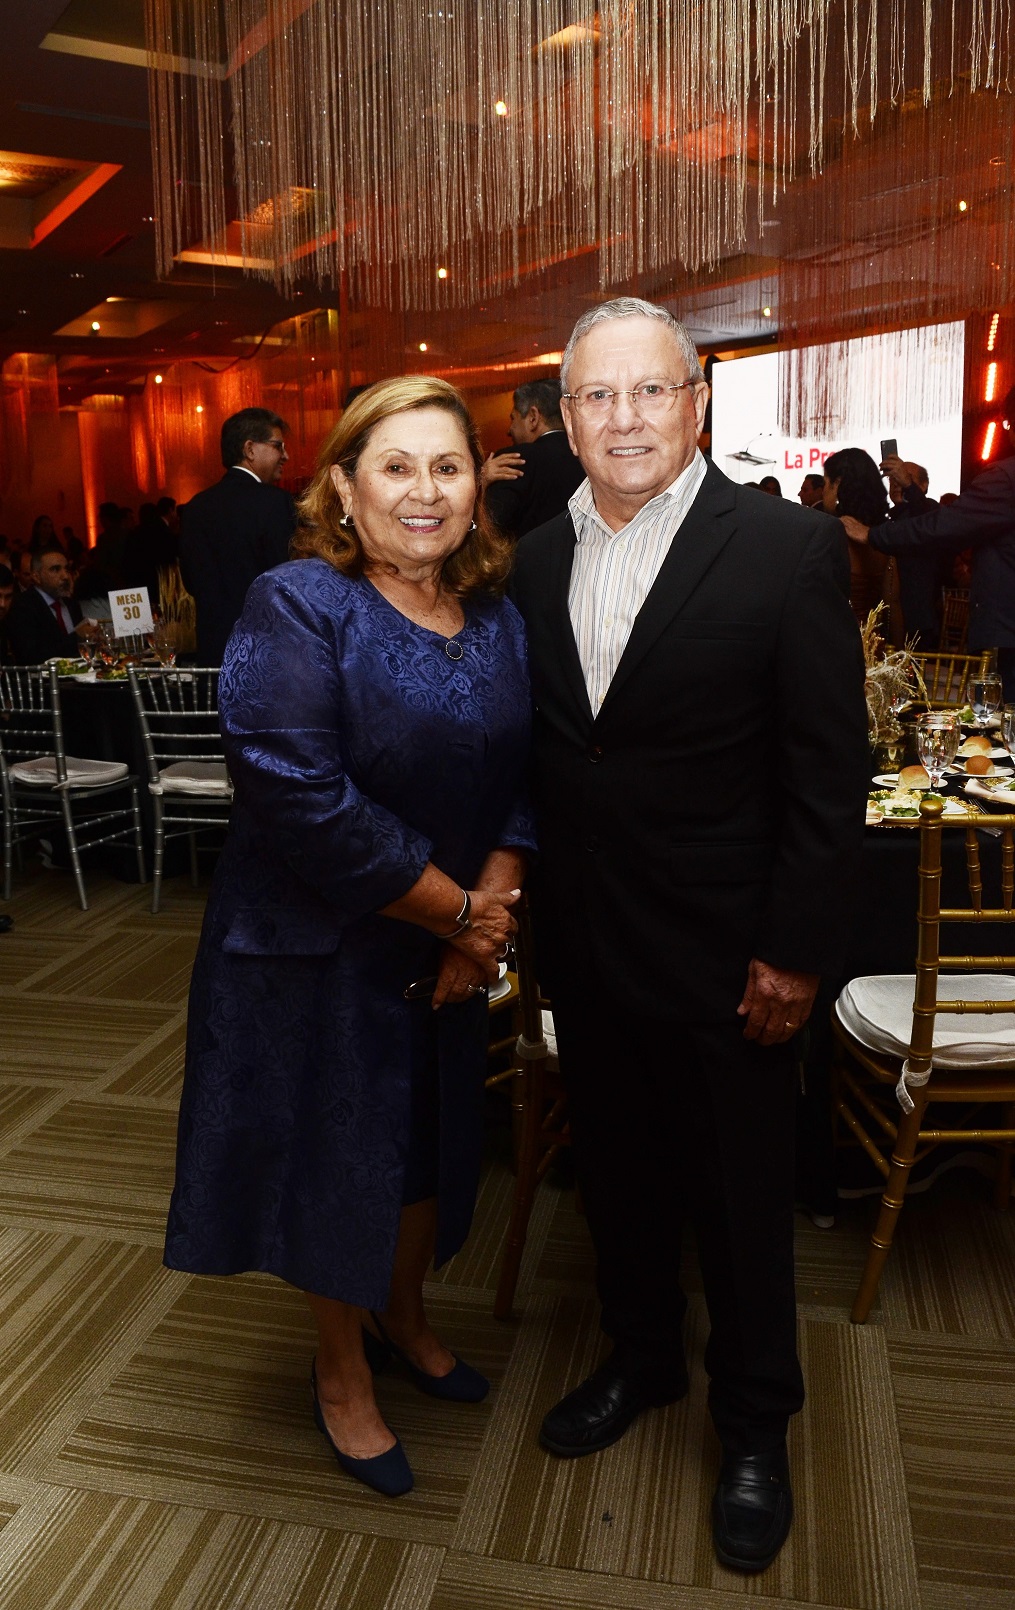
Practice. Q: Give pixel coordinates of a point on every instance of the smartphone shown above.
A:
(889, 449)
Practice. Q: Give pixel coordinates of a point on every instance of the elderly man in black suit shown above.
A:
(700, 773)
(236, 529)
(526, 488)
(982, 518)
(45, 622)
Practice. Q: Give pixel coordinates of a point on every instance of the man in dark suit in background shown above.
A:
(700, 765)
(921, 576)
(235, 530)
(528, 487)
(45, 622)
(983, 518)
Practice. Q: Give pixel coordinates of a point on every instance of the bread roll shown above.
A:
(979, 765)
(976, 744)
(913, 777)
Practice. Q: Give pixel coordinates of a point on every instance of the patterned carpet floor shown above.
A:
(156, 1446)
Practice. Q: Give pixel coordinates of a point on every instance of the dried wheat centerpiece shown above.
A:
(893, 679)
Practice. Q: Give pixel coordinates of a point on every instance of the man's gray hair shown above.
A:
(631, 307)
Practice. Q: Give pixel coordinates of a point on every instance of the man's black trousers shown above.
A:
(684, 1121)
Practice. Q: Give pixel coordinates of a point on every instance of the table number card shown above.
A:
(131, 612)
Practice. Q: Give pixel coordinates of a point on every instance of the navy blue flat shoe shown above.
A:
(462, 1384)
(388, 1473)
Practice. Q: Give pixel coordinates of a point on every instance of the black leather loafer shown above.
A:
(752, 1510)
(597, 1413)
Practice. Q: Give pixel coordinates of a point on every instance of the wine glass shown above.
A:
(105, 643)
(938, 735)
(1007, 733)
(985, 696)
(163, 644)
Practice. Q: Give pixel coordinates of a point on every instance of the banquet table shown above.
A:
(883, 940)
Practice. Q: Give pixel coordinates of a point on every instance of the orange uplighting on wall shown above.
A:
(988, 441)
(990, 389)
(992, 333)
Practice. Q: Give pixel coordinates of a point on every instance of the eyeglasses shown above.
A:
(651, 398)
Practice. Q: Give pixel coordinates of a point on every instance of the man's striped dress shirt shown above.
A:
(613, 572)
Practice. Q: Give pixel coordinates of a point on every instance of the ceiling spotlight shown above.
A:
(422, 346)
(199, 409)
(75, 275)
(766, 312)
(95, 324)
(158, 380)
(963, 206)
(500, 107)
(442, 273)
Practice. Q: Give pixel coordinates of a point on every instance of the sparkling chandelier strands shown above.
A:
(369, 142)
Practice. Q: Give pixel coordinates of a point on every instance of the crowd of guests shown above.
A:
(852, 485)
(52, 586)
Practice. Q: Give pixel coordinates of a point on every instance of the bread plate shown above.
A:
(995, 771)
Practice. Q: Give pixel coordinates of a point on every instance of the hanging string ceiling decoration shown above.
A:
(431, 153)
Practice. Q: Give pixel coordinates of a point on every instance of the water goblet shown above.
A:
(985, 696)
(937, 739)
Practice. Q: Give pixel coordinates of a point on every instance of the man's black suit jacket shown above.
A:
(713, 810)
(35, 633)
(229, 535)
(551, 475)
(983, 518)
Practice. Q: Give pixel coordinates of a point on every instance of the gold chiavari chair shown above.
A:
(946, 677)
(954, 619)
(907, 1058)
(540, 1110)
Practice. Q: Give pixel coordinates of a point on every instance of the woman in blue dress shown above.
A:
(375, 706)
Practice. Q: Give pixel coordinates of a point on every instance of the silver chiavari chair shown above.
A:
(177, 711)
(44, 787)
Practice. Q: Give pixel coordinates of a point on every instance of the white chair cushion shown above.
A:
(878, 1012)
(41, 773)
(196, 777)
(550, 1036)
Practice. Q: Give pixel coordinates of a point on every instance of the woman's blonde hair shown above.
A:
(480, 565)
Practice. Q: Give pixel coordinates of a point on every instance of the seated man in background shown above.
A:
(812, 490)
(526, 488)
(45, 623)
(233, 531)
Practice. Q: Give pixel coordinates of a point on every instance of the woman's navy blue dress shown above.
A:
(359, 751)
